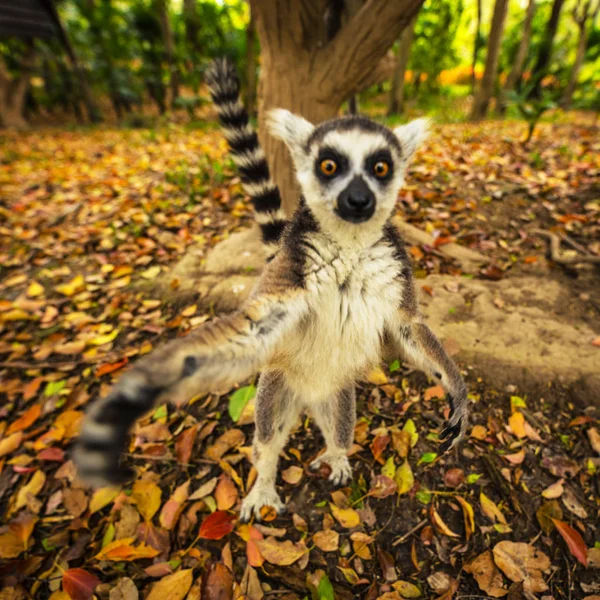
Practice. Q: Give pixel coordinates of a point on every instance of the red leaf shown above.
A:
(79, 584)
(574, 541)
(53, 454)
(216, 526)
(378, 445)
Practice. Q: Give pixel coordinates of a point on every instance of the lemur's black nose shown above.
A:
(356, 203)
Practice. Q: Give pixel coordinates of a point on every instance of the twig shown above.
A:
(559, 258)
(407, 535)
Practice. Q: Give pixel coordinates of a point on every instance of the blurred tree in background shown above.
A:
(136, 60)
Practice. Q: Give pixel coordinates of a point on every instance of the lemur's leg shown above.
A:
(422, 347)
(276, 412)
(336, 419)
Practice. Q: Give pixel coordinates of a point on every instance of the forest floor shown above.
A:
(89, 219)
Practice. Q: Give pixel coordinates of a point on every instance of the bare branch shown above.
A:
(360, 45)
(558, 257)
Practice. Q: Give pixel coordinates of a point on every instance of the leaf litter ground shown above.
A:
(91, 220)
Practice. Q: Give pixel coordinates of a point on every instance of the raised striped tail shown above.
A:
(246, 152)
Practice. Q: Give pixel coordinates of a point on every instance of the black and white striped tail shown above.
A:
(246, 152)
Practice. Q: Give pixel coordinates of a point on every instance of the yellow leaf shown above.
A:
(152, 272)
(517, 424)
(377, 377)
(491, 510)
(407, 589)
(189, 311)
(120, 550)
(16, 314)
(346, 517)
(10, 443)
(404, 478)
(103, 339)
(103, 497)
(147, 496)
(172, 587)
(77, 284)
(469, 516)
(439, 523)
(32, 488)
(479, 432)
(35, 289)
(10, 545)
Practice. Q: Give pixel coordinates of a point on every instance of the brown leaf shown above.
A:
(226, 493)
(281, 553)
(292, 475)
(378, 446)
(454, 478)
(546, 513)
(382, 487)
(488, 577)
(574, 541)
(124, 590)
(573, 504)
(522, 562)
(185, 444)
(173, 506)
(75, 501)
(327, 540)
(218, 583)
(10, 443)
(594, 437)
(561, 466)
(491, 510)
(230, 439)
(437, 391)
(172, 587)
(387, 564)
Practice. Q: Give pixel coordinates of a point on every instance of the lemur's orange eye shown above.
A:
(381, 168)
(328, 167)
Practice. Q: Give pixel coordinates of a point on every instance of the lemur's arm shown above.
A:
(415, 341)
(215, 356)
(412, 339)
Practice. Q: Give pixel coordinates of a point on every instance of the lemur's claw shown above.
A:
(451, 434)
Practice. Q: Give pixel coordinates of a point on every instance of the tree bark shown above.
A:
(476, 48)
(486, 89)
(250, 96)
(162, 8)
(545, 51)
(517, 69)
(192, 26)
(580, 16)
(13, 91)
(304, 73)
(396, 100)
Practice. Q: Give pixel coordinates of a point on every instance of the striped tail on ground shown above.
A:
(246, 152)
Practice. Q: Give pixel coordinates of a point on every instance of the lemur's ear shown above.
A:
(412, 135)
(294, 131)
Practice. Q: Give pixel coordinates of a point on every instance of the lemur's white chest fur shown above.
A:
(355, 294)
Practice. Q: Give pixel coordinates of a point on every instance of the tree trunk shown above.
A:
(581, 13)
(192, 26)
(545, 51)
(396, 101)
(250, 99)
(476, 48)
(308, 75)
(517, 69)
(167, 34)
(486, 89)
(13, 91)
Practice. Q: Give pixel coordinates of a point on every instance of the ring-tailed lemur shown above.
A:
(339, 288)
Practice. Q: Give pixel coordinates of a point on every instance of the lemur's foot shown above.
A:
(341, 471)
(454, 430)
(259, 496)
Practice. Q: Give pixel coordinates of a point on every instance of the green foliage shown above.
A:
(433, 48)
(238, 401)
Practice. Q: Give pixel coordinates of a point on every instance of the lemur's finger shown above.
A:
(105, 430)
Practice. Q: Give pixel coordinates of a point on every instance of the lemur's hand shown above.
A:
(455, 427)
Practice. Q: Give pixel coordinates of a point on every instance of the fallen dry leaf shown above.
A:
(488, 577)
(522, 562)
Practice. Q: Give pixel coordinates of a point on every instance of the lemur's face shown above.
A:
(349, 169)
